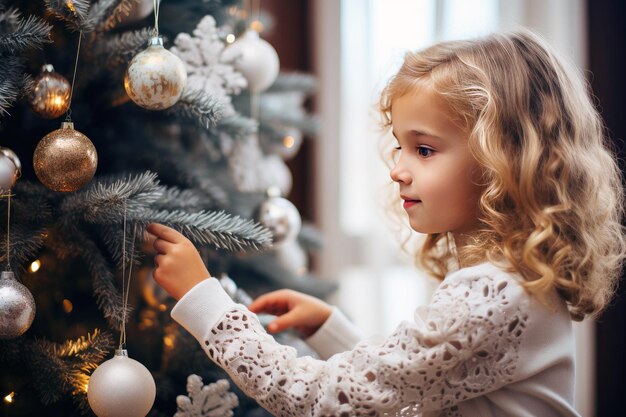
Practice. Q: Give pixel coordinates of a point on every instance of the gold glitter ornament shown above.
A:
(65, 159)
(50, 96)
(155, 78)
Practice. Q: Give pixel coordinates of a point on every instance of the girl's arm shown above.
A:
(462, 345)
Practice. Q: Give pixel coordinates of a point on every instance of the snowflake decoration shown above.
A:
(207, 69)
(211, 400)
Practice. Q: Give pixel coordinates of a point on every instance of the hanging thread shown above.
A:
(8, 268)
(157, 5)
(125, 281)
(68, 117)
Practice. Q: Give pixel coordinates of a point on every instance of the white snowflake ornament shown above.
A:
(207, 67)
(211, 400)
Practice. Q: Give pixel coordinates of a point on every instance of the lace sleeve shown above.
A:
(465, 343)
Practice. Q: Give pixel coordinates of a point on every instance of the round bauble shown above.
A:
(50, 96)
(65, 159)
(280, 216)
(155, 78)
(255, 58)
(121, 387)
(17, 307)
(10, 169)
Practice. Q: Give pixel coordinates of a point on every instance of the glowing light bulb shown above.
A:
(230, 38)
(34, 267)
(289, 141)
(9, 398)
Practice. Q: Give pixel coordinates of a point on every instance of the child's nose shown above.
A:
(399, 174)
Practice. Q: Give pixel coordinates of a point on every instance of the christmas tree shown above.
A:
(200, 157)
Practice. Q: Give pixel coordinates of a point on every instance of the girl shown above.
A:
(502, 163)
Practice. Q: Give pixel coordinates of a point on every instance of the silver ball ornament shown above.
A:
(17, 307)
(121, 387)
(10, 169)
(155, 78)
(255, 58)
(280, 216)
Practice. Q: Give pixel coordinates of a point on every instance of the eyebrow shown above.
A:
(417, 133)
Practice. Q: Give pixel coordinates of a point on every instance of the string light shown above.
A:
(68, 306)
(9, 398)
(34, 267)
(289, 141)
(230, 38)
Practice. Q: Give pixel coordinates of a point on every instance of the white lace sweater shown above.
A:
(481, 348)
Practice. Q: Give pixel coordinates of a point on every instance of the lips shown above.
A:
(408, 202)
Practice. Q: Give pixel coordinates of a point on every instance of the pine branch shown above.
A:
(119, 49)
(121, 7)
(238, 127)
(200, 107)
(11, 79)
(173, 198)
(304, 83)
(103, 202)
(59, 370)
(218, 229)
(30, 33)
(75, 13)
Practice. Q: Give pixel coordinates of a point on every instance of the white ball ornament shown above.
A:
(255, 58)
(17, 307)
(10, 169)
(121, 387)
(155, 78)
(280, 216)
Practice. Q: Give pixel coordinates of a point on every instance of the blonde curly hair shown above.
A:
(553, 198)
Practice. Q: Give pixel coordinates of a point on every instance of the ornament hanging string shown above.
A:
(8, 196)
(157, 5)
(126, 282)
(68, 117)
(255, 105)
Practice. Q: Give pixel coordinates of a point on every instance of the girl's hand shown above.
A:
(301, 311)
(178, 266)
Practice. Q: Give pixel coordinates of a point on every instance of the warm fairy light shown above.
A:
(86, 388)
(34, 267)
(9, 398)
(257, 26)
(168, 341)
(58, 100)
(162, 307)
(70, 5)
(289, 141)
(230, 38)
(68, 306)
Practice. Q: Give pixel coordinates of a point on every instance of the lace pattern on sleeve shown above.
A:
(465, 343)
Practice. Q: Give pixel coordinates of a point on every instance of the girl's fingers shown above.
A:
(158, 260)
(164, 232)
(272, 301)
(283, 322)
(162, 246)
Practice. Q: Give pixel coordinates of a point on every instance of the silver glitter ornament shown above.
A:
(280, 216)
(10, 169)
(121, 387)
(17, 307)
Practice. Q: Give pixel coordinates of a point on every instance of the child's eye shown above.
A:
(423, 151)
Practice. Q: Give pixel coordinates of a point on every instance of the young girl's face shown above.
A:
(435, 171)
